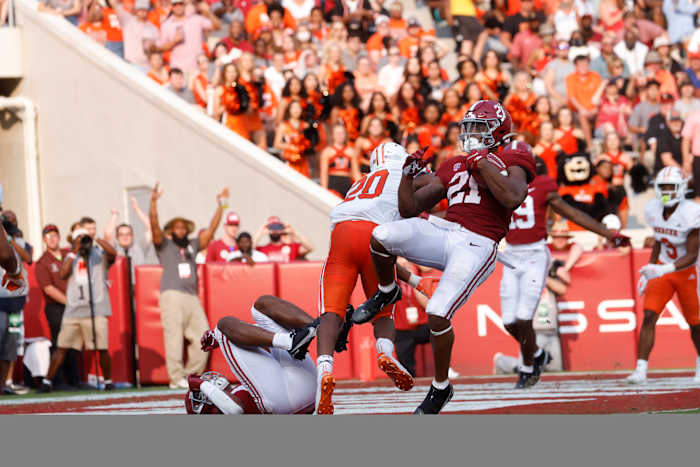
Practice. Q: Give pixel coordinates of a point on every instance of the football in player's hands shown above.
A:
(208, 341)
(642, 285)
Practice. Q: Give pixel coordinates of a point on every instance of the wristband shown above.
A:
(414, 280)
(71, 255)
(666, 268)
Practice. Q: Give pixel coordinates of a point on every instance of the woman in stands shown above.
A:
(436, 84)
(339, 163)
(491, 80)
(472, 95)
(291, 138)
(567, 135)
(255, 85)
(365, 80)
(543, 113)
(346, 109)
(407, 108)
(520, 101)
(547, 148)
(293, 91)
(451, 147)
(379, 108)
(200, 81)
(230, 101)
(452, 108)
(332, 72)
(467, 71)
(431, 133)
(373, 136)
(158, 71)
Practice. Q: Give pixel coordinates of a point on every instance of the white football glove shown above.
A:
(642, 285)
(652, 271)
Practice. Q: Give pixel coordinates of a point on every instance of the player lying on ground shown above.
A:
(482, 190)
(269, 358)
(672, 267)
(522, 286)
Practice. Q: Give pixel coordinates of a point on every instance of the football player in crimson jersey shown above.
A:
(269, 358)
(482, 190)
(521, 287)
(672, 267)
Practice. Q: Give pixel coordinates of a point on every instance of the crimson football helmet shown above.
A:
(485, 125)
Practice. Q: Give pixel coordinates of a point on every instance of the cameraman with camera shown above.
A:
(87, 301)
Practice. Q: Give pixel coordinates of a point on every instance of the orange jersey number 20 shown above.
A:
(369, 186)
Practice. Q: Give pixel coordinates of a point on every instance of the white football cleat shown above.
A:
(637, 378)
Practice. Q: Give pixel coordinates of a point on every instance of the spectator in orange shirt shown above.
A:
(258, 17)
(200, 82)
(94, 26)
(397, 24)
(581, 86)
(376, 47)
(431, 133)
(158, 71)
(520, 101)
(409, 44)
(162, 10)
(653, 68)
(115, 37)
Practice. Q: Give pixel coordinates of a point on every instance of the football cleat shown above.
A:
(539, 364)
(399, 375)
(341, 343)
(374, 305)
(435, 400)
(324, 395)
(526, 380)
(301, 339)
(637, 377)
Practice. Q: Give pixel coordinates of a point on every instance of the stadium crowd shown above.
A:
(320, 83)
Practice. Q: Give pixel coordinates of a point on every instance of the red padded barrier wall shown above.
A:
(673, 347)
(149, 330)
(230, 291)
(299, 283)
(35, 324)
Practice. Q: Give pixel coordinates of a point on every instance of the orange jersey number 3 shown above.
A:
(670, 249)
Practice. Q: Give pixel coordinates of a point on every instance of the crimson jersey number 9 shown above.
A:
(369, 186)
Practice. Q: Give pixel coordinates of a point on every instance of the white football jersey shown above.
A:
(672, 233)
(14, 287)
(374, 197)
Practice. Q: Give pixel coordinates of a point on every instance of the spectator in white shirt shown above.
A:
(631, 51)
(390, 76)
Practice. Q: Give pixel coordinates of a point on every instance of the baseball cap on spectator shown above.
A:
(667, 98)
(142, 5)
(232, 218)
(413, 22)
(274, 223)
(661, 41)
(381, 19)
(49, 228)
(652, 57)
(653, 82)
(675, 115)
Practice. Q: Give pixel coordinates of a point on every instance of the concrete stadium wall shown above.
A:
(104, 128)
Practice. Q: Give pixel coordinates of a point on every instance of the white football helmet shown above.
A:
(670, 186)
(386, 152)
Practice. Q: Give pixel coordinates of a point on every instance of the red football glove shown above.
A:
(619, 240)
(208, 341)
(415, 163)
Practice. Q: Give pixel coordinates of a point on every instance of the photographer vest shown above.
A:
(78, 289)
(545, 320)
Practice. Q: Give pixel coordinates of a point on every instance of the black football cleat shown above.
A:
(374, 305)
(540, 363)
(435, 400)
(341, 343)
(526, 380)
(301, 339)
